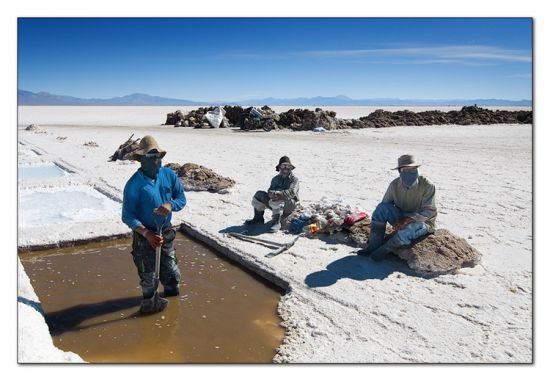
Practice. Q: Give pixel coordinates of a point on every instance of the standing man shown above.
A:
(281, 197)
(150, 197)
(408, 205)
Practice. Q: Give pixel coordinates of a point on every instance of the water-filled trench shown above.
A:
(90, 295)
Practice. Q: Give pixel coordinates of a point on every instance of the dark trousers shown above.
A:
(144, 259)
(261, 201)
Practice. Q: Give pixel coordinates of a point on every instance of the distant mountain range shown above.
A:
(28, 98)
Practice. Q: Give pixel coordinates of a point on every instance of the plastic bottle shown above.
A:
(318, 225)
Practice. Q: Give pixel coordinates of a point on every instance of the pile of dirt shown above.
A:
(304, 120)
(359, 232)
(439, 253)
(235, 116)
(468, 115)
(197, 178)
(435, 254)
(175, 117)
(308, 120)
(195, 118)
(36, 129)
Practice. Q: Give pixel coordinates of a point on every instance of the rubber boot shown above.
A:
(258, 218)
(171, 291)
(275, 223)
(381, 253)
(376, 238)
(153, 304)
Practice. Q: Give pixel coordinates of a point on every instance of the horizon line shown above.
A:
(283, 98)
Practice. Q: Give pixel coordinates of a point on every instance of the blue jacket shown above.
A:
(142, 195)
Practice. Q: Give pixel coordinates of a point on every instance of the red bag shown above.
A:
(355, 217)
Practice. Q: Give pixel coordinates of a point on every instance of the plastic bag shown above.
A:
(215, 117)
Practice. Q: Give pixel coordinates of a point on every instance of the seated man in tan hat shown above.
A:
(408, 205)
(281, 197)
(150, 197)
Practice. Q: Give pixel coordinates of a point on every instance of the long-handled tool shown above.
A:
(279, 247)
(284, 247)
(259, 241)
(157, 260)
(158, 304)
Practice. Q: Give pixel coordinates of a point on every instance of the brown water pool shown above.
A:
(90, 295)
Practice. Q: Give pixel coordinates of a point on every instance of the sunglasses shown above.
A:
(153, 155)
(285, 166)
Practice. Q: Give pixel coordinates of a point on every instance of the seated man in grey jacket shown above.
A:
(408, 205)
(281, 197)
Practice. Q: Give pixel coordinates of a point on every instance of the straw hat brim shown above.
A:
(408, 165)
(277, 167)
(137, 154)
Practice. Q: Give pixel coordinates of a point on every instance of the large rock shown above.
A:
(439, 253)
(197, 178)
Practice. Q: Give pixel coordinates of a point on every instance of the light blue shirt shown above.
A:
(142, 195)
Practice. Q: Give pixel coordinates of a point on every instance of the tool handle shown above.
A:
(157, 262)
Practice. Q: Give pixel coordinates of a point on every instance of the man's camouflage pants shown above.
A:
(144, 259)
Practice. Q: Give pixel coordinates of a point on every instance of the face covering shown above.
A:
(150, 166)
(285, 172)
(408, 177)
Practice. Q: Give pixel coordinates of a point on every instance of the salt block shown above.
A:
(439, 253)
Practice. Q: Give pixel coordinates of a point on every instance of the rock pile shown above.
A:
(302, 120)
(197, 178)
(195, 118)
(439, 253)
(234, 117)
(436, 254)
(36, 129)
(466, 116)
(307, 120)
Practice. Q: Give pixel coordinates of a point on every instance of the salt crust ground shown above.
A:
(342, 308)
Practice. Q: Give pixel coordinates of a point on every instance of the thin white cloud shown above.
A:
(450, 52)
(409, 61)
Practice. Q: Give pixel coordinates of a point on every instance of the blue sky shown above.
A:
(243, 58)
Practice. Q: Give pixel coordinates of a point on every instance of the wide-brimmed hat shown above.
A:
(146, 145)
(406, 161)
(284, 160)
